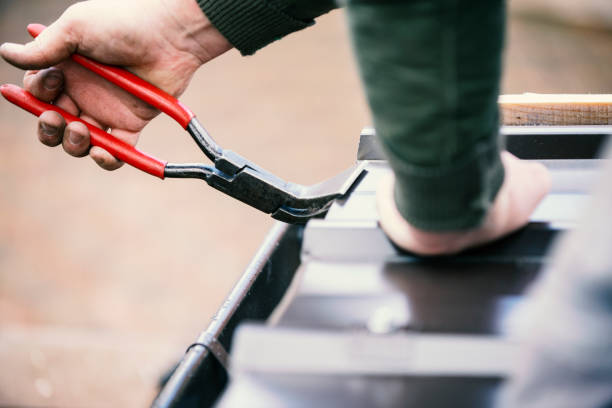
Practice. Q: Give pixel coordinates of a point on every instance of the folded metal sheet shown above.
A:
(367, 325)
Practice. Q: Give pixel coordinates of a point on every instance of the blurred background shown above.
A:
(106, 278)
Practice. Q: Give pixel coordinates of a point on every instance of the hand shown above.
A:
(525, 185)
(162, 41)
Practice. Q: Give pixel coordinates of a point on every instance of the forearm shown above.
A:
(431, 71)
(251, 25)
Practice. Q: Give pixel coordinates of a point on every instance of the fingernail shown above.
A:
(48, 130)
(52, 81)
(75, 138)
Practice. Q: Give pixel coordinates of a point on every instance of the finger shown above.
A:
(126, 136)
(45, 85)
(51, 128)
(54, 44)
(76, 139)
(104, 159)
(67, 104)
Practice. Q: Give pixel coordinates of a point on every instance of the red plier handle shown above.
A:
(118, 148)
(130, 83)
(230, 173)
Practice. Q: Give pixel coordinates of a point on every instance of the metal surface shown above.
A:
(525, 142)
(462, 296)
(357, 217)
(419, 333)
(361, 353)
(199, 378)
(307, 391)
(249, 183)
(327, 240)
(369, 325)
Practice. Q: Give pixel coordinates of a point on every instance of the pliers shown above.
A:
(230, 173)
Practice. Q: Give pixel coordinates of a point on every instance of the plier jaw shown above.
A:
(230, 173)
(288, 202)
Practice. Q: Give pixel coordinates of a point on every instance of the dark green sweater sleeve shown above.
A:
(252, 24)
(431, 69)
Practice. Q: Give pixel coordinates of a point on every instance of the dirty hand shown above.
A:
(525, 185)
(162, 41)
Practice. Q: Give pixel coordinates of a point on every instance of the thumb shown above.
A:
(55, 44)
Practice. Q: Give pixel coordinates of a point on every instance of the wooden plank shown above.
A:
(556, 109)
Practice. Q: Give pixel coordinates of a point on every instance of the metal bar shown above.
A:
(199, 378)
(265, 350)
(212, 344)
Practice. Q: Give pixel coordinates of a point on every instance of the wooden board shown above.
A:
(556, 109)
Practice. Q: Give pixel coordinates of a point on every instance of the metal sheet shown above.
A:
(368, 325)
(323, 391)
(526, 142)
(364, 241)
(263, 350)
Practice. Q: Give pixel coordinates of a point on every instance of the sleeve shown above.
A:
(431, 69)
(252, 24)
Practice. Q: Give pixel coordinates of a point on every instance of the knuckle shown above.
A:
(30, 80)
(72, 20)
(46, 84)
(72, 13)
